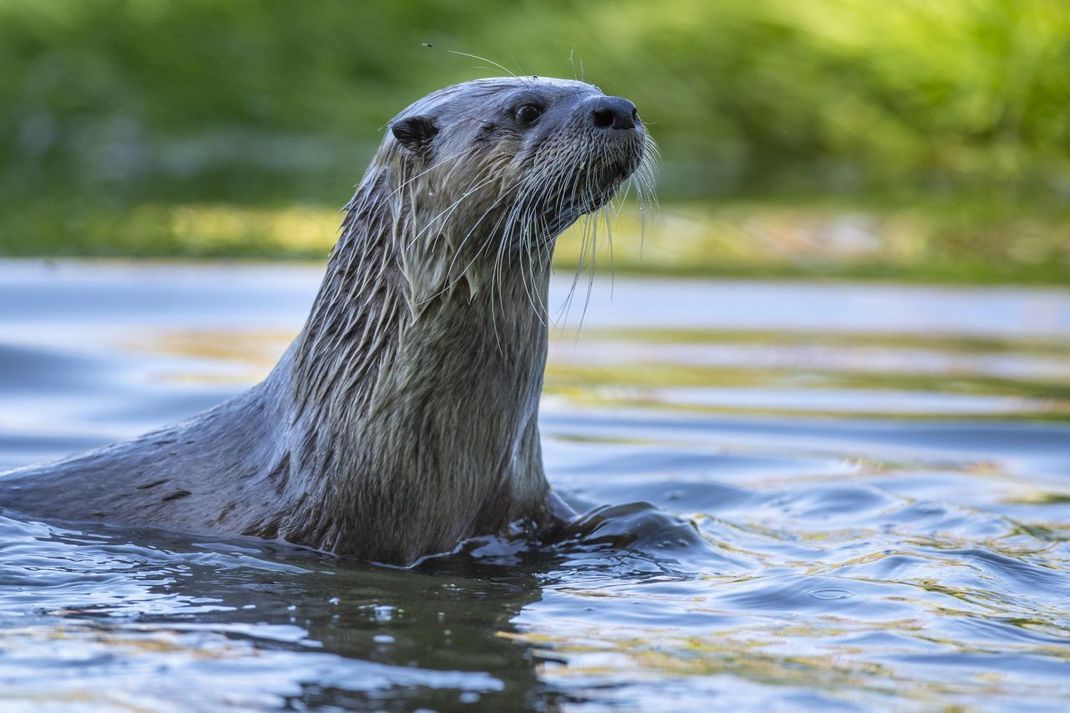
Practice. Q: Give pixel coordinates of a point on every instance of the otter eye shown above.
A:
(528, 113)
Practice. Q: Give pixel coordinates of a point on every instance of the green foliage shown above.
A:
(120, 102)
(743, 96)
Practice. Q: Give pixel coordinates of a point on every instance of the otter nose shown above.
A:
(614, 113)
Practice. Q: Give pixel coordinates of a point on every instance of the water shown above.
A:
(832, 496)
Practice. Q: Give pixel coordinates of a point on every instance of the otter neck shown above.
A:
(418, 412)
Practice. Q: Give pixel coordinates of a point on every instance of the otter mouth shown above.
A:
(596, 182)
(558, 213)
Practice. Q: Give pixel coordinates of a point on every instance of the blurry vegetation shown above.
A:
(909, 139)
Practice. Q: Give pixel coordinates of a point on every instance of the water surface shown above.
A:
(833, 496)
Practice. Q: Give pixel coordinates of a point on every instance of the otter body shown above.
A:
(403, 418)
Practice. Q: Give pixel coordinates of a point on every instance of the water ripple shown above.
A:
(770, 517)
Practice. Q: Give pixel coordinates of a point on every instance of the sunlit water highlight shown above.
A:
(832, 496)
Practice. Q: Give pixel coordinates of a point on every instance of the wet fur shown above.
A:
(403, 418)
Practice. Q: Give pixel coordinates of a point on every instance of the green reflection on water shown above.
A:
(818, 374)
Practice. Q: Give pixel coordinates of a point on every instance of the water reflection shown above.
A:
(241, 623)
(842, 511)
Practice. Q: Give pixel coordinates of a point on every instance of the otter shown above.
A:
(403, 417)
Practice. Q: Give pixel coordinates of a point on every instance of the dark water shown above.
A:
(834, 497)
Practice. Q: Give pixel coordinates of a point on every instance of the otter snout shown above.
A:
(614, 113)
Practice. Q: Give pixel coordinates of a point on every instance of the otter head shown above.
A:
(486, 174)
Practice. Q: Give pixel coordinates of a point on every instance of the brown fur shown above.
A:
(403, 418)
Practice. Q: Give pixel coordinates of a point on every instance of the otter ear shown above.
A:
(414, 133)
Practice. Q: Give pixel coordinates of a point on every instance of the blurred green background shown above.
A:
(916, 139)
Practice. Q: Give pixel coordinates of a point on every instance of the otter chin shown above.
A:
(403, 417)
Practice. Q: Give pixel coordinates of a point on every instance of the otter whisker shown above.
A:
(456, 158)
(448, 210)
(526, 217)
(483, 59)
(460, 248)
(594, 222)
(584, 236)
